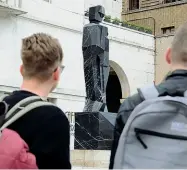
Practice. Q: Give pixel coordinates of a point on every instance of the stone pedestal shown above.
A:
(94, 130)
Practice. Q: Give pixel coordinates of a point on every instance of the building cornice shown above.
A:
(59, 93)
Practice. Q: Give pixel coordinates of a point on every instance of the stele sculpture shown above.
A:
(95, 48)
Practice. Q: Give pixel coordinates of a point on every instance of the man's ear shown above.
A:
(56, 75)
(21, 70)
(168, 55)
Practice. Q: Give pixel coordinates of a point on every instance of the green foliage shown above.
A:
(140, 28)
(148, 30)
(107, 18)
(116, 21)
(132, 26)
(126, 24)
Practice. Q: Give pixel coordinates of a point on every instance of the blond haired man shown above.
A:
(46, 128)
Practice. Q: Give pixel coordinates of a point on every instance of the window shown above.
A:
(168, 30)
(133, 4)
(170, 1)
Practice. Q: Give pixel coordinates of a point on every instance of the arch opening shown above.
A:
(113, 92)
(117, 87)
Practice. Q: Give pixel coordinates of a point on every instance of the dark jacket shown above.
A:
(46, 130)
(174, 85)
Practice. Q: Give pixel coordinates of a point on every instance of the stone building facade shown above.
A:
(162, 16)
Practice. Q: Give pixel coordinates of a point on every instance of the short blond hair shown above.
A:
(179, 46)
(41, 54)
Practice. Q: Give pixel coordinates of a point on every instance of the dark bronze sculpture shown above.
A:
(96, 60)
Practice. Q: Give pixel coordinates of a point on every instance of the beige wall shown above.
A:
(167, 16)
(142, 4)
(162, 68)
(160, 16)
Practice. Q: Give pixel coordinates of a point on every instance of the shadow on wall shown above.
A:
(117, 87)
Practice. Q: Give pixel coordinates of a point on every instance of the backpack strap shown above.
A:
(148, 92)
(4, 108)
(22, 107)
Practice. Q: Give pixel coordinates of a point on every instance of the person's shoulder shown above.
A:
(131, 102)
(51, 118)
(50, 113)
(52, 107)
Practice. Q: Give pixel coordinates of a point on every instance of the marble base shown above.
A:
(94, 130)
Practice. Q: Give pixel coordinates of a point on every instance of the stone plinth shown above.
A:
(94, 130)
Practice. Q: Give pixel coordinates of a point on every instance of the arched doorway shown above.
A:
(117, 87)
(113, 92)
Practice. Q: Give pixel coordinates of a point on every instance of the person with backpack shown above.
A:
(151, 126)
(35, 134)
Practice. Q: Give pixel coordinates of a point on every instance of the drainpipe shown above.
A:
(154, 33)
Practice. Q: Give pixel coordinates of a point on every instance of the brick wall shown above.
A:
(164, 15)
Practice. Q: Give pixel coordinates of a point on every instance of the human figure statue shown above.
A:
(96, 60)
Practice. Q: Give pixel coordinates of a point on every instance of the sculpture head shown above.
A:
(96, 14)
